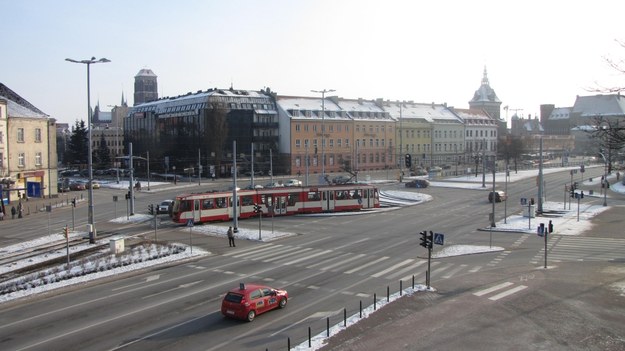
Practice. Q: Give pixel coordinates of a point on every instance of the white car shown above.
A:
(163, 207)
(293, 182)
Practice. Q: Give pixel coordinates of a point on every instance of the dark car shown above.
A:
(77, 186)
(418, 183)
(164, 206)
(499, 196)
(249, 300)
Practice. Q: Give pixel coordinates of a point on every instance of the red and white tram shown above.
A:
(217, 206)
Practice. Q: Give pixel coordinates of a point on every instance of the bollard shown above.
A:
(288, 343)
(345, 317)
(413, 282)
(401, 290)
(360, 308)
(388, 292)
(374, 301)
(328, 327)
(309, 337)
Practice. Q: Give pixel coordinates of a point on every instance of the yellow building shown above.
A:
(28, 151)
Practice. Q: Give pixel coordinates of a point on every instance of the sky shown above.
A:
(535, 52)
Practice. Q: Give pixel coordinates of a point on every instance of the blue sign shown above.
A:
(439, 238)
(523, 201)
(189, 223)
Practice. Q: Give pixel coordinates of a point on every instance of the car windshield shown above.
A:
(233, 297)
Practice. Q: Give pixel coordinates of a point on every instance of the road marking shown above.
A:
(454, 271)
(391, 268)
(475, 269)
(491, 289)
(253, 248)
(147, 280)
(366, 265)
(404, 270)
(340, 256)
(508, 292)
(307, 257)
(329, 267)
(281, 255)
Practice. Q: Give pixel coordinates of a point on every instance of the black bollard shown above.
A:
(309, 337)
(401, 290)
(360, 308)
(388, 292)
(328, 327)
(374, 301)
(345, 317)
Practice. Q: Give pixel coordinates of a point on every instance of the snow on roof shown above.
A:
(429, 112)
(561, 113)
(600, 105)
(471, 114)
(18, 106)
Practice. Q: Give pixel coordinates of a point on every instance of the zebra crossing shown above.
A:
(496, 292)
(563, 248)
(384, 267)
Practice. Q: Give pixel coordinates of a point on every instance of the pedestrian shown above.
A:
(13, 212)
(1, 215)
(20, 210)
(231, 237)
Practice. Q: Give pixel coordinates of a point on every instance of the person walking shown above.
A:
(231, 237)
(20, 210)
(13, 212)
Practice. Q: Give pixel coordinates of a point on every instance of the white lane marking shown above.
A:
(491, 289)
(508, 292)
(391, 268)
(366, 265)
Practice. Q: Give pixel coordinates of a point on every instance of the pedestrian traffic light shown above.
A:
(257, 208)
(572, 192)
(151, 209)
(424, 239)
(74, 202)
(408, 160)
(66, 232)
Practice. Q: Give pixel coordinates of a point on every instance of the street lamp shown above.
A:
(323, 132)
(92, 235)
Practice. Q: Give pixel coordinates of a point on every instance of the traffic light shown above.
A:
(74, 202)
(257, 208)
(424, 239)
(572, 191)
(66, 232)
(430, 238)
(408, 160)
(151, 209)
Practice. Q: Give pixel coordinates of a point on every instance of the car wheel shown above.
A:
(251, 315)
(283, 302)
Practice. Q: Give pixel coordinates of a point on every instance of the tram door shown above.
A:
(280, 202)
(196, 211)
(328, 200)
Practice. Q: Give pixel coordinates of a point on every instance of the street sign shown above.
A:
(190, 223)
(523, 201)
(439, 238)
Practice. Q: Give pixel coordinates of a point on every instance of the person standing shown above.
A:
(20, 210)
(13, 212)
(231, 237)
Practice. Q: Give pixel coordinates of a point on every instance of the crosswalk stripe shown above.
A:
(403, 263)
(259, 251)
(282, 255)
(454, 271)
(507, 292)
(330, 267)
(328, 260)
(419, 272)
(367, 265)
(270, 253)
(406, 269)
(475, 269)
(253, 248)
(307, 257)
(440, 269)
(491, 289)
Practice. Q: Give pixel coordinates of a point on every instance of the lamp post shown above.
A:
(92, 235)
(323, 132)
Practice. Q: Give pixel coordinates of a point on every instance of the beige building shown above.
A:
(29, 159)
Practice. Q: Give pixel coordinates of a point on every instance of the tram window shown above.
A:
(247, 200)
(207, 204)
(185, 205)
(221, 202)
(196, 205)
(313, 195)
(267, 200)
(292, 199)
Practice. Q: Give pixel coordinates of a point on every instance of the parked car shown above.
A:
(94, 184)
(293, 182)
(74, 186)
(418, 183)
(164, 206)
(498, 195)
(63, 186)
(249, 300)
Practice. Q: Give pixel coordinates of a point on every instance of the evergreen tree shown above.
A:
(103, 154)
(78, 147)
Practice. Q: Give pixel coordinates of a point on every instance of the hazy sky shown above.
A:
(536, 52)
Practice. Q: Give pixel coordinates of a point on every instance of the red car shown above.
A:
(249, 300)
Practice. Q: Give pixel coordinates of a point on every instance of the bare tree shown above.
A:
(616, 64)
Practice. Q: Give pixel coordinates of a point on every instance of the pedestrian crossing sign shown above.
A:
(439, 238)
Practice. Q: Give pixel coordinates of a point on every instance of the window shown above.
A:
(21, 160)
(1, 138)
(38, 159)
(297, 143)
(1, 162)
(20, 135)
(297, 127)
(37, 135)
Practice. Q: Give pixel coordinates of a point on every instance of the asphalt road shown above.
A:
(333, 264)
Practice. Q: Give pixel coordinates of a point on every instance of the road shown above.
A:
(333, 264)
